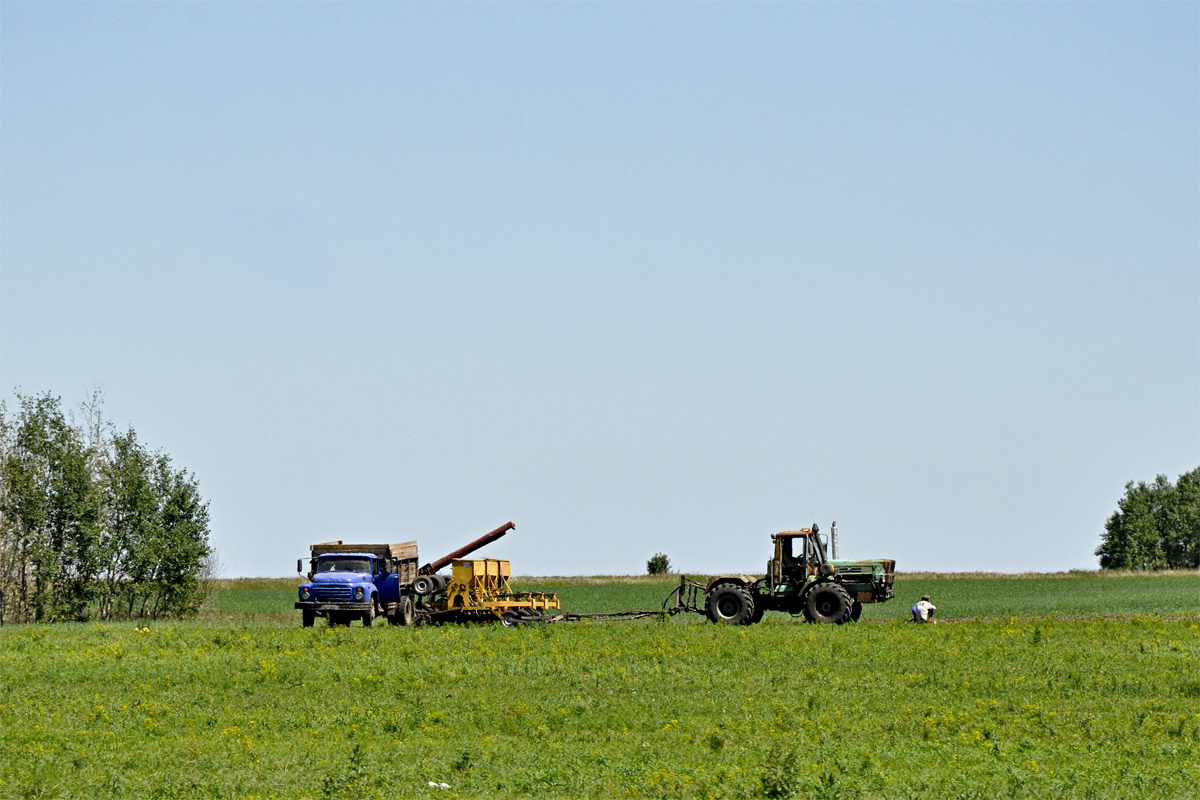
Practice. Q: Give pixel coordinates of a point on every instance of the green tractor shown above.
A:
(800, 579)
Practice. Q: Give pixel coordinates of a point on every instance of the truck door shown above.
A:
(387, 584)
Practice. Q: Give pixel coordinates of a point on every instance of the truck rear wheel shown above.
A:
(403, 615)
(827, 602)
(731, 604)
(307, 618)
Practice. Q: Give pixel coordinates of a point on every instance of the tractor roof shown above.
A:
(789, 534)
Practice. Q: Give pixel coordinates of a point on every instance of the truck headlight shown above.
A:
(304, 593)
(358, 593)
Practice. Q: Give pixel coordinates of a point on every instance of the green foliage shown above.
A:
(658, 564)
(1099, 709)
(1155, 526)
(92, 524)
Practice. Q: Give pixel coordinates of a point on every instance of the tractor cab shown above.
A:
(799, 557)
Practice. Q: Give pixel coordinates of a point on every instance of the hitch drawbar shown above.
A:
(684, 597)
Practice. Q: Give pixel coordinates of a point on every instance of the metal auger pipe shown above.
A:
(487, 538)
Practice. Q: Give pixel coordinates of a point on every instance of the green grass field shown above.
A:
(957, 597)
(245, 703)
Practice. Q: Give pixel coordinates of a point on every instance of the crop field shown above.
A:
(1085, 594)
(1074, 686)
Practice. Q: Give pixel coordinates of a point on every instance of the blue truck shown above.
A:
(348, 582)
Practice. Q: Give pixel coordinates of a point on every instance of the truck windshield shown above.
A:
(344, 565)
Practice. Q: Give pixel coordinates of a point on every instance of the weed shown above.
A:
(462, 764)
(346, 780)
(778, 774)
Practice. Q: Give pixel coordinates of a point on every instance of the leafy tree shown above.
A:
(93, 524)
(1155, 526)
(179, 542)
(51, 512)
(132, 510)
(1181, 539)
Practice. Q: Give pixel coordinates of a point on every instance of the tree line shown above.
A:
(1156, 526)
(94, 524)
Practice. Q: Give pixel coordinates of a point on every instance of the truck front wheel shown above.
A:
(731, 604)
(368, 616)
(307, 618)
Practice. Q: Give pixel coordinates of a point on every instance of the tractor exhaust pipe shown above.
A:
(487, 538)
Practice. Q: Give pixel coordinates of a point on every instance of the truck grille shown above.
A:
(333, 593)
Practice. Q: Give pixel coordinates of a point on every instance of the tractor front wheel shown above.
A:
(731, 604)
(827, 602)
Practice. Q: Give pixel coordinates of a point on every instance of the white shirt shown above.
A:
(923, 608)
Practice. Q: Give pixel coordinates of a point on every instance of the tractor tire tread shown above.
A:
(743, 614)
(827, 602)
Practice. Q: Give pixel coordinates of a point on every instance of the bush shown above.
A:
(658, 564)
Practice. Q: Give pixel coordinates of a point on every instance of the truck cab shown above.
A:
(343, 587)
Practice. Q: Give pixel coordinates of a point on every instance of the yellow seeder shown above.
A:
(482, 585)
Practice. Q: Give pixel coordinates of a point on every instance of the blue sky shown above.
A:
(637, 277)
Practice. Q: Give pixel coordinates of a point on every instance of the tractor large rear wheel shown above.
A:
(827, 602)
(731, 604)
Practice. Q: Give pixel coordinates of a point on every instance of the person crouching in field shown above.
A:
(923, 610)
